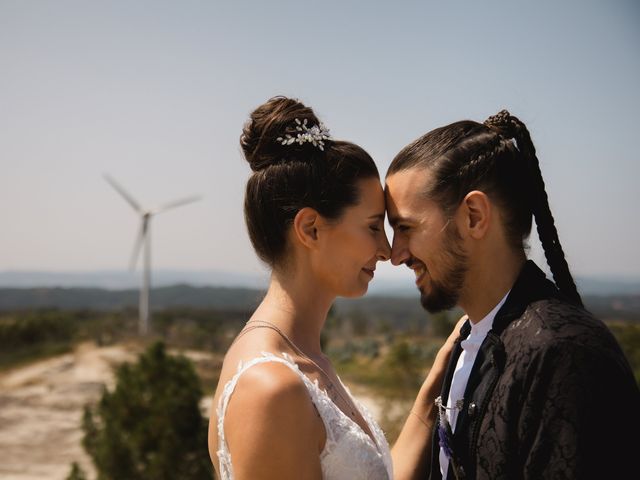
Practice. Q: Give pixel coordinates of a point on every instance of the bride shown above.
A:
(314, 208)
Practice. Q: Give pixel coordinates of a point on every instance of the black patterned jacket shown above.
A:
(550, 396)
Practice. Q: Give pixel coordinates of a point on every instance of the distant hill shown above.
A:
(598, 286)
(102, 299)
(124, 280)
(395, 309)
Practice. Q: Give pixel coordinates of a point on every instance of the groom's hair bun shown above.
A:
(270, 121)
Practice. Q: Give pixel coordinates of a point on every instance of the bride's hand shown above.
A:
(433, 383)
(411, 453)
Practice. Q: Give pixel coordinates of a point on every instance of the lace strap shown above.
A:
(223, 451)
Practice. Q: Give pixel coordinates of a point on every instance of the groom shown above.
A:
(536, 387)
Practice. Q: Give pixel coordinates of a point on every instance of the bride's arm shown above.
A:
(272, 428)
(412, 451)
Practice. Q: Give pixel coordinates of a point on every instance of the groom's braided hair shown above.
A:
(498, 158)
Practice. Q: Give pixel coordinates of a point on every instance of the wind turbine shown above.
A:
(143, 240)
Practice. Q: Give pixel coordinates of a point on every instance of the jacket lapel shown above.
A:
(446, 386)
(531, 285)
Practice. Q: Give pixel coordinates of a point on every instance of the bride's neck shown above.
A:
(297, 308)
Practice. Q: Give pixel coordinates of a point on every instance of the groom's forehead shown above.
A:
(406, 196)
(407, 187)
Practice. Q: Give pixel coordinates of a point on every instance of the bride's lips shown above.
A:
(369, 271)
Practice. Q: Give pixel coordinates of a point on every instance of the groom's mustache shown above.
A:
(413, 261)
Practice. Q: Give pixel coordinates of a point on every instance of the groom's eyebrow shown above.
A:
(377, 216)
(396, 219)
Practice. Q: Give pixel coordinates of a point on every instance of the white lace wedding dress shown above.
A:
(349, 453)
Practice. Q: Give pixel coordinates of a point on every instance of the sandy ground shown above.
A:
(41, 409)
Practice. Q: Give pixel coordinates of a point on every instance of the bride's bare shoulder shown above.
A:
(266, 388)
(271, 411)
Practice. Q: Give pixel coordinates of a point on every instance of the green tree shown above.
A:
(441, 324)
(359, 322)
(405, 363)
(628, 335)
(76, 473)
(150, 425)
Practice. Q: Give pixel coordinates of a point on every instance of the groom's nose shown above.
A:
(399, 251)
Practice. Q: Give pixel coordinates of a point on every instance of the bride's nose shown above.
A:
(384, 249)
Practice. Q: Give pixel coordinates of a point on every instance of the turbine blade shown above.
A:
(177, 203)
(137, 246)
(136, 206)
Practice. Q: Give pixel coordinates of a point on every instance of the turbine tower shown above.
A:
(143, 241)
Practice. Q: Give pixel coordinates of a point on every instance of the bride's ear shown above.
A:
(305, 226)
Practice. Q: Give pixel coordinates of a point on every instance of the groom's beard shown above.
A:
(445, 293)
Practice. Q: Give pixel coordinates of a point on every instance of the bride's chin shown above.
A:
(357, 291)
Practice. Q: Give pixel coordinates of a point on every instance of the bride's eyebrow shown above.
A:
(376, 216)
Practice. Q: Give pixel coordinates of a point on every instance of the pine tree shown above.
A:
(76, 473)
(150, 425)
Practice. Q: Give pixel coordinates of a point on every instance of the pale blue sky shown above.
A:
(156, 92)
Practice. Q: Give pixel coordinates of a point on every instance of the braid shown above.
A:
(473, 172)
(511, 127)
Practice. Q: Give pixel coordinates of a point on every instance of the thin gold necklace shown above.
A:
(265, 324)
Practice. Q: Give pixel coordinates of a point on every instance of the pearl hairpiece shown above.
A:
(315, 135)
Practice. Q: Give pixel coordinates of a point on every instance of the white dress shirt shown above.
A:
(470, 347)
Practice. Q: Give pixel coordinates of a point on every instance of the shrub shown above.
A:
(150, 426)
(76, 473)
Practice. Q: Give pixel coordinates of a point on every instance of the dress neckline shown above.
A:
(358, 406)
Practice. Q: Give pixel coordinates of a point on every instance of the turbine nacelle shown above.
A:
(143, 242)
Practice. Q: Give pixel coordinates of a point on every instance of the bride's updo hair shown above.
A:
(287, 178)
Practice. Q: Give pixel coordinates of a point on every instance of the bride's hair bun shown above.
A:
(295, 165)
(270, 121)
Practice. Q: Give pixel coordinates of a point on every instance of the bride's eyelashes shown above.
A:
(376, 227)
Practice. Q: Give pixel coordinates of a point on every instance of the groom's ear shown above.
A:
(476, 209)
(305, 226)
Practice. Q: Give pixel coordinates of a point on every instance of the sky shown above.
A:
(155, 94)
